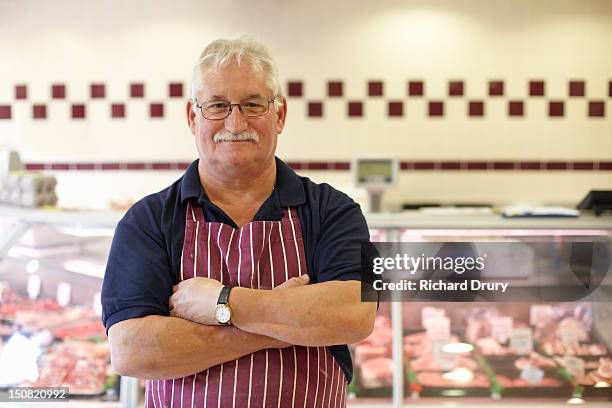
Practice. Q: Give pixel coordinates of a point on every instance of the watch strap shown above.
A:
(224, 295)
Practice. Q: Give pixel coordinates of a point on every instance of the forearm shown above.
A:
(160, 347)
(321, 314)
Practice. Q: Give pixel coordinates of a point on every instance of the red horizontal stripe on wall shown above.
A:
(340, 165)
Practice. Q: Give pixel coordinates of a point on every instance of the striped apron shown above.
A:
(261, 255)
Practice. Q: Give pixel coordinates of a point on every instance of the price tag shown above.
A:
(64, 290)
(541, 315)
(97, 304)
(531, 374)
(501, 326)
(574, 366)
(438, 329)
(33, 287)
(521, 341)
(429, 313)
(446, 361)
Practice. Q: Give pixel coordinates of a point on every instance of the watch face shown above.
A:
(223, 314)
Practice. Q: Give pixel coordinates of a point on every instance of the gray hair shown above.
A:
(221, 52)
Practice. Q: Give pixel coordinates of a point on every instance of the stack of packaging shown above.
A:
(29, 189)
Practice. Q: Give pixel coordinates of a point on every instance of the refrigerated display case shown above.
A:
(51, 270)
(433, 352)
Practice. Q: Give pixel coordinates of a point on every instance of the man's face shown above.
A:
(235, 83)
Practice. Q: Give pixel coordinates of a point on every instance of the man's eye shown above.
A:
(217, 105)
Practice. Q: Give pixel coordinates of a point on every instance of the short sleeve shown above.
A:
(343, 236)
(137, 281)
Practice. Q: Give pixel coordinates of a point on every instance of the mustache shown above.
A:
(224, 136)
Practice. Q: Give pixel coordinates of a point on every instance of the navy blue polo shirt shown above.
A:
(145, 256)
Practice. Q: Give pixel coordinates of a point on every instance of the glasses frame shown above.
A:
(231, 107)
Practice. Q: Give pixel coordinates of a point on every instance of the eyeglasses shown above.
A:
(220, 109)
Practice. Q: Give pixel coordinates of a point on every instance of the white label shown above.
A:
(33, 287)
(97, 304)
(429, 313)
(501, 326)
(64, 291)
(521, 341)
(438, 328)
(575, 366)
(532, 374)
(446, 361)
(541, 315)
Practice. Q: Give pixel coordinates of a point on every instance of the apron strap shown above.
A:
(194, 211)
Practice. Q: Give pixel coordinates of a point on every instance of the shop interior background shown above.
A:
(97, 90)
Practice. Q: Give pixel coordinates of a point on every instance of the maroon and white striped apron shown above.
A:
(262, 255)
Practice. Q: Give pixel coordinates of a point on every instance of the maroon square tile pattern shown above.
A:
(605, 165)
(355, 109)
(530, 165)
(556, 109)
(455, 88)
(98, 91)
(5, 111)
(450, 165)
(315, 109)
(576, 88)
(137, 90)
(436, 108)
(78, 111)
(476, 108)
(583, 165)
(406, 165)
(39, 111)
(496, 88)
(317, 166)
(295, 88)
(156, 110)
(610, 89)
(416, 88)
(477, 165)
(58, 91)
(117, 110)
(424, 165)
(395, 109)
(503, 165)
(375, 88)
(21, 92)
(597, 109)
(536, 88)
(516, 108)
(295, 165)
(335, 88)
(175, 89)
(555, 165)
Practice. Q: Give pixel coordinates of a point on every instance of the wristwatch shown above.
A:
(223, 313)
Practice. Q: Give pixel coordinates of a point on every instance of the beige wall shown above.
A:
(156, 42)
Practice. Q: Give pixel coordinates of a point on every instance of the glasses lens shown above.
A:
(254, 107)
(215, 109)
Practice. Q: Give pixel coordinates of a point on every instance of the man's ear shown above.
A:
(281, 115)
(191, 114)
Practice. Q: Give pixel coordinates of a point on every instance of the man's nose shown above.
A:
(236, 122)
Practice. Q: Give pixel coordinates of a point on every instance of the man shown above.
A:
(238, 285)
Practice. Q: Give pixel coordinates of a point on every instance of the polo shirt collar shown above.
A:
(289, 186)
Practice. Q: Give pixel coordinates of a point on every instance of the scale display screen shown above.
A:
(375, 171)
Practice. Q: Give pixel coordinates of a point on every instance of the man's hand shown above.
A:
(294, 282)
(195, 299)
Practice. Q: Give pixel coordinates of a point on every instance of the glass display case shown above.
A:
(506, 351)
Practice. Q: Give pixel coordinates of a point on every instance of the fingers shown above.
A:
(294, 282)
